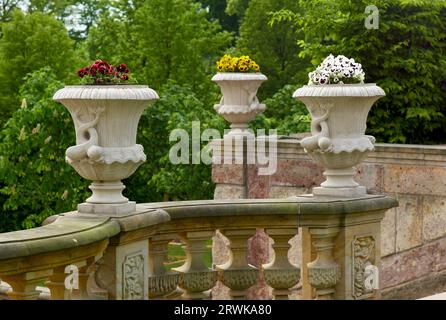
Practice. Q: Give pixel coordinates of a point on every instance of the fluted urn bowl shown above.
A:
(239, 103)
(106, 120)
(338, 124)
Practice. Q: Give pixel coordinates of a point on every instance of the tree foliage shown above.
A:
(35, 180)
(30, 42)
(273, 46)
(158, 179)
(405, 56)
(164, 40)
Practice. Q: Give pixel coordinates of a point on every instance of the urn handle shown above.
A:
(219, 105)
(321, 134)
(86, 135)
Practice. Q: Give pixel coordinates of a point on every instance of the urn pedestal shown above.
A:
(239, 103)
(106, 120)
(338, 142)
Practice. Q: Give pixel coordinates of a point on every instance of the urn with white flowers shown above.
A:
(339, 102)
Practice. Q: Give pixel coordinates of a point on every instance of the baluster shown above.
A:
(84, 274)
(237, 274)
(280, 273)
(197, 278)
(24, 284)
(63, 278)
(161, 281)
(324, 272)
(4, 289)
(56, 284)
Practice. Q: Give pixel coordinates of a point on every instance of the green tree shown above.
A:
(162, 40)
(237, 7)
(217, 11)
(6, 9)
(273, 46)
(174, 40)
(405, 56)
(158, 179)
(283, 113)
(30, 42)
(107, 40)
(35, 180)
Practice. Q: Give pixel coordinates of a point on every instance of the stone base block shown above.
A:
(340, 192)
(113, 210)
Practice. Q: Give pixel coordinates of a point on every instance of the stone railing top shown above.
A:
(64, 233)
(299, 206)
(73, 230)
(102, 92)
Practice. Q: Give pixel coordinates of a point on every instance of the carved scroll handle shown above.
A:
(253, 101)
(219, 105)
(321, 134)
(86, 136)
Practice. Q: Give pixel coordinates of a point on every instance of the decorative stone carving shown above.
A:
(197, 282)
(106, 120)
(239, 103)
(282, 279)
(363, 256)
(239, 280)
(133, 277)
(324, 277)
(338, 141)
(161, 285)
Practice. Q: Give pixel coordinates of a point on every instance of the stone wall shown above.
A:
(413, 235)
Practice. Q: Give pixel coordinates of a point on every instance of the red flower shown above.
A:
(122, 67)
(83, 72)
(103, 69)
(101, 72)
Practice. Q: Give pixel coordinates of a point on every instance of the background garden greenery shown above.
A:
(172, 45)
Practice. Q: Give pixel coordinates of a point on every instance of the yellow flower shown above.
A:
(237, 64)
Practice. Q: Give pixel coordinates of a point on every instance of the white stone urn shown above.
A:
(239, 103)
(106, 119)
(338, 142)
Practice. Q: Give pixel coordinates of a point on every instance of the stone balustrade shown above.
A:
(124, 257)
(413, 235)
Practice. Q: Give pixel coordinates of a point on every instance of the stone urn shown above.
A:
(338, 142)
(239, 103)
(106, 119)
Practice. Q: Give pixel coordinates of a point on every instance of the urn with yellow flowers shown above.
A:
(239, 79)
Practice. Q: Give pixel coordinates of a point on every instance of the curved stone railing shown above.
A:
(125, 256)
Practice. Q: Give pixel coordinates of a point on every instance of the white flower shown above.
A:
(336, 70)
